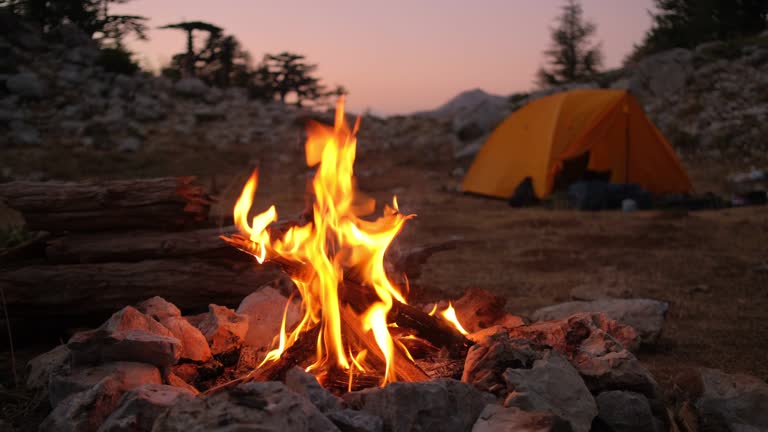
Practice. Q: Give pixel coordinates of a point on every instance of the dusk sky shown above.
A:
(397, 56)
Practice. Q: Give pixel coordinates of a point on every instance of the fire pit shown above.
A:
(356, 324)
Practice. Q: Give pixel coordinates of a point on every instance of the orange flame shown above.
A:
(337, 240)
(450, 315)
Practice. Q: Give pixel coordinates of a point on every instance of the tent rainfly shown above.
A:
(536, 140)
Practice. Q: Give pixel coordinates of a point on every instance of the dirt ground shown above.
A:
(710, 266)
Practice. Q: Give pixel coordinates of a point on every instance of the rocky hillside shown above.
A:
(711, 102)
(62, 114)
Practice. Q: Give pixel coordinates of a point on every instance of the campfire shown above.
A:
(324, 337)
(356, 324)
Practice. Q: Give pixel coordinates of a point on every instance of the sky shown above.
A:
(396, 56)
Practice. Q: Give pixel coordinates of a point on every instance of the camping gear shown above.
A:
(628, 205)
(600, 195)
(540, 138)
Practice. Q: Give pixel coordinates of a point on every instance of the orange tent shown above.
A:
(609, 124)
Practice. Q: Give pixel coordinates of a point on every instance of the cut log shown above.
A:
(67, 290)
(160, 203)
(141, 245)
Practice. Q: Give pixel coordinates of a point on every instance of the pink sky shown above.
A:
(397, 56)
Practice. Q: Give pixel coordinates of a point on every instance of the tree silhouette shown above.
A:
(91, 16)
(687, 23)
(226, 63)
(573, 55)
(287, 73)
(191, 57)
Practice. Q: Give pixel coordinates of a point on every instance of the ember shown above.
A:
(337, 263)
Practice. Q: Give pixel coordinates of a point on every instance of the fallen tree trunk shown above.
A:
(142, 245)
(160, 203)
(70, 290)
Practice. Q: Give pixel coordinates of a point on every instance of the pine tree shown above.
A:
(573, 55)
(688, 23)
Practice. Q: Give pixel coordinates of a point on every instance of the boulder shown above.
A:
(190, 87)
(478, 309)
(348, 420)
(263, 406)
(727, 402)
(593, 344)
(442, 404)
(194, 346)
(68, 381)
(488, 359)
(644, 315)
(552, 385)
(85, 411)
(128, 335)
(564, 335)
(224, 329)
(39, 369)
(27, 85)
(139, 408)
(174, 380)
(496, 418)
(623, 411)
(264, 309)
(158, 308)
(306, 385)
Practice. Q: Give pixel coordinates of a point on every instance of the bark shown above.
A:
(142, 245)
(160, 203)
(46, 291)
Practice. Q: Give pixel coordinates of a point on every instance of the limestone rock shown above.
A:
(478, 309)
(191, 87)
(348, 420)
(595, 345)
(625, 412)
(263, 406)
(264, 309)
(224, 329)
(176, 381)
(727, 402)
(564, 335)
(68, 381)
(644, 315)
(128, 335)
(443, 404)
(85, 411)
(306, 385)
(552, 385)
(138, 408)
(27, 85)
(496, 418)
(488, 359)
(194, 346)
(39, 369)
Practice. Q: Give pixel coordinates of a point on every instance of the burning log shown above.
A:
(71, 290)
(300, 352)
(432, 328)
(160, 203)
